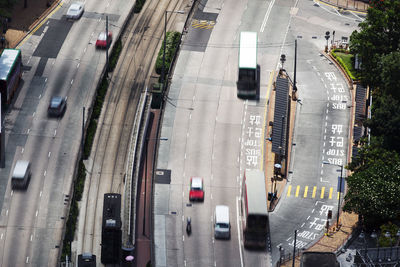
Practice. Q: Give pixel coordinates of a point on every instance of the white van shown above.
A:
(21, 174)
(222, 227)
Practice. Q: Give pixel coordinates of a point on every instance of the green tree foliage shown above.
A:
(390, 66)
(373, 192)
(385, 121)
(6, 7)
(379, 36)
(372, 154)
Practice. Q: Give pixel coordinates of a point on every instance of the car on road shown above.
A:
(75, 11)
(57, 106)
(196, 189)
(103, 41)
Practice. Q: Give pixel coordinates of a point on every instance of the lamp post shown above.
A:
(165, 44)
(339, 191)
(375, 236)
(388, 235)
(362, 235)
(397, 244)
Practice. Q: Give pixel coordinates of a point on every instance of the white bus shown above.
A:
(254, 209)
(248, 76)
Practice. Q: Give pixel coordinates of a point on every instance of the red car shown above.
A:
(101, 40)
(196, 189)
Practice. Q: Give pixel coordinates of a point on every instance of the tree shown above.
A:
(373, 192)
(372, 153)
(379, 35)
(385, 121)
(390, 66)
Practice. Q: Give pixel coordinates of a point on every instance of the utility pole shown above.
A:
(107, 46)
(295, 61)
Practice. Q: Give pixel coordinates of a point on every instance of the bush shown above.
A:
(138, 6)
(346, 61)
(91, 131)
(391, 240)
(172, 42)
(115, 55)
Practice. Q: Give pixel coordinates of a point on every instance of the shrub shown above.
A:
(91, 131)
(138, 6)
(115, 55)
(172, 42)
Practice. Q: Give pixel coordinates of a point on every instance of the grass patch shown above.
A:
(346, 60)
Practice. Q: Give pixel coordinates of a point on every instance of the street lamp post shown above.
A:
(339, 191)
(388, 235)
(375, 236)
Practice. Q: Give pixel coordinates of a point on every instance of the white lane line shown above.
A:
(40, 96)
(6, 212)
(238, 227)
(183, 239)
(312, 210)
(77, 66)
(27, 260)
(55, 132)
(34, 113)
(22, 151)
(302, 225)
(31, 238)
(29, 131)
(44, 174)
(190, 116)
(267, 15)
(185, 155)
(40, 194)
(84, 50)
(211, 195)
(37, 212)
(12, 192)
(49, 155)
(1, 236)
(183, 218)
(72, 81)
(308, 217)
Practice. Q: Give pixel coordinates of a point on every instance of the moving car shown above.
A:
(222, 226)
(196, 189)
(21, 175)
(57, 106)
(101, 40)
(75, 11)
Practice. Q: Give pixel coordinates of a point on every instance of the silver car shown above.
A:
(75, 11)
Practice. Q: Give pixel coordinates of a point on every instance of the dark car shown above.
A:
(57, 106)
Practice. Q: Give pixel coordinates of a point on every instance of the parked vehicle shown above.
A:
(196, 189)
(75, 11)
(222, 226)
(21, 175)
(103, 40)
(57, 106)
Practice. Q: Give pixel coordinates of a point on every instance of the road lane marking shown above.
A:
(6, 212)
(27, 260)
(338, 195)
(1, 236)
(49, 155)
(31, 238)
(22, 151)
(314, 191)
(305, 191)
(40, 194)
(238, 227)
(297, 190)
(322, 192)
(12, 192)
(288, 192)
(37, 212)
(264, 23)
(330, 192)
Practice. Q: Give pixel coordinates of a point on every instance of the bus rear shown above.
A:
(248, 75)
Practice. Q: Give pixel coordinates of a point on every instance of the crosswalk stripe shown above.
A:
(330, 192)
(288, 191)
(297, 190)
(305, 191)
(314, 191)
(323, 192)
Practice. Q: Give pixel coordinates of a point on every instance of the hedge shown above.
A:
(172, 42)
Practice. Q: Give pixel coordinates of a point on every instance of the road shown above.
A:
(321, 131)
(59, 58)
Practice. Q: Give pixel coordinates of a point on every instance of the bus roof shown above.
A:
(7, 60)
(248, 50)
(255, 192)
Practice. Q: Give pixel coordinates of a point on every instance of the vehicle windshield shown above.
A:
(222, 225)
(102, 36)
(55, 102)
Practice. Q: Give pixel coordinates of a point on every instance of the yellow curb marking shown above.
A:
(338, 195)
(330, 192)
(314, 191)
(39, 25)
(322, 192)
(271, 76)
(297, 190)
(288, 191)
(305, 191)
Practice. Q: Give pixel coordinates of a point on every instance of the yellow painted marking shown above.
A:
(323, 192)
(305, 191)
(338, 195)
(40, 24)
(314, 191)
(262, 140)
(330, 192)
(297, 190)
(288, 191)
